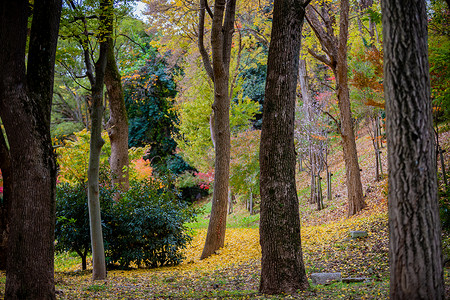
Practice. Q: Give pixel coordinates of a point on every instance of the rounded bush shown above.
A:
(145, 226)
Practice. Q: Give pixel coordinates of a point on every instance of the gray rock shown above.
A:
(358, 234)
(325, 278)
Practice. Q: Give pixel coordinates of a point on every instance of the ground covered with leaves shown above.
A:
(234, 271)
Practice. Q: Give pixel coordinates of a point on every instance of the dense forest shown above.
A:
(264, 149)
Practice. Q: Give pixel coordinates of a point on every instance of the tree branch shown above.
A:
(320, 57)
(201, 45)
(338, 126)
(133, 41)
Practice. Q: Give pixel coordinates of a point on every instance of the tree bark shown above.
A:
(5, 167)
(282, 267)
(415, 254)
(221, 38)
(25, 106)
(117, 126)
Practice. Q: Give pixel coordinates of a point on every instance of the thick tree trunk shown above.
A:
(117, 125)
(353, 176)
(415, 254)
(5, 167)
(282, 268)
(25, 106)
(221, 38)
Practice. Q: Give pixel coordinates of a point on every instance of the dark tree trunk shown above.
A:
(83, 256)
(282, 268)
(221, 38)
(117, 125)
(25, 107)
(5, 167)
(415, 253)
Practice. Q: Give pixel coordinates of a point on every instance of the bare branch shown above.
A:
(201, 45)
(133, 41)
(228, 31)
(338, 126)
(208, 9)
(320, 57)
(238, 63)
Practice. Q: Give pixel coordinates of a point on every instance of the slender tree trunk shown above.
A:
(282, 267)
(117, 125)
(415, 253)
(307, 102)
(221, 39)
(98, 252)
(230, 201)
(353, 176)
(336, 59)
(329, 174)
(25, 105)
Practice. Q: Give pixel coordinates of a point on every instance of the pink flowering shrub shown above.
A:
(205, 179)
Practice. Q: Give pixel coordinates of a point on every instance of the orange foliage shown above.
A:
(371, 102)
(373, 81)
(142, 168)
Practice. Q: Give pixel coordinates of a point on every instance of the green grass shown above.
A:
(66, 261)
(240, 218)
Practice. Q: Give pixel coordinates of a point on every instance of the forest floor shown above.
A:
(234, 271)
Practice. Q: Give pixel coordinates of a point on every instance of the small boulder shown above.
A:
(358, 234)
(325, 278)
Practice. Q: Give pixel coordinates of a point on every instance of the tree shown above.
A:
(218, 71)
(95, 72)
(282, 268)
(26, 91)
(117, 125)
(336, 58)
(415, 254)
(98, 252)
(5, 171)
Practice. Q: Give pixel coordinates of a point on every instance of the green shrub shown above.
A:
(190, 187)
(444, 209)
(72, 218)
(145, 226)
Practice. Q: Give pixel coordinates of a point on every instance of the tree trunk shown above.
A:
(415, 253)
(98, 252)
(221, 39)
(282, 268)
(336, 59)
(230, 202)
(307, 102)
(25, 106)
(5, 167)
(353, 176)
(117, 125)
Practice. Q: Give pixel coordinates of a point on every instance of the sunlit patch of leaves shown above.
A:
(234, 271)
